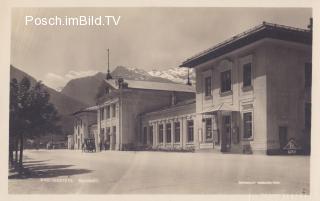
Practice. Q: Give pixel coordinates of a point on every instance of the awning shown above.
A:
(219, 107)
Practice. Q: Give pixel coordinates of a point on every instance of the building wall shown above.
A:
(108, 123)
(239, 100)
(82, 123)
(277, 97)
(130, 103)
(287, 94)
(137, 102)
(179, 113)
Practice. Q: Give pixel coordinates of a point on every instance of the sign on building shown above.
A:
(292, 146)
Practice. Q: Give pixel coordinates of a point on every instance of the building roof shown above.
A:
(219, 107)
(150, 85)
(88, 109)
(181, 104)
(264, 30)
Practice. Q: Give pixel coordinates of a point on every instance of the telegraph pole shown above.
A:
(108, 77)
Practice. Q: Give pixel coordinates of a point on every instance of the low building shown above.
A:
(85, 124)
(170, 127)
(253, 91)
(120, 103)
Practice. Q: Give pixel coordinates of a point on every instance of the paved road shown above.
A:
(111, 172)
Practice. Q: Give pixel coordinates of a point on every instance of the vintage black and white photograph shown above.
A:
(160, 100)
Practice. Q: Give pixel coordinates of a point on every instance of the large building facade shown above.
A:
(252, 95)
(253, 92)
(120, 103)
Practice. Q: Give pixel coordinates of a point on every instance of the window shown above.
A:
(207, 86)
(307, 74)
(226, 81)
(151, 134)
(247, 125)
(102, 114)
(247, 76)
(113, 108)
(161, 133)
(102, 134)
(168, 132)
(190, 130)
(177, 132)
(208, 129)
(108, 111)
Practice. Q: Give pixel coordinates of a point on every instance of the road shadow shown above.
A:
(38, 169)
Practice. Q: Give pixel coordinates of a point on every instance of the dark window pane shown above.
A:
(151, 134)
(208, 86)
(208, 129)
(247, 125)
(226, 81)
(160, 133)
(168, 132)
(190, 130)
(177, 132)
(247, 75)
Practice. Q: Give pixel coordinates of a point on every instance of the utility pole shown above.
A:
(108, 77)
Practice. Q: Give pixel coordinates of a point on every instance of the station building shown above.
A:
(121, 102)
(252, 95)
(253, 91)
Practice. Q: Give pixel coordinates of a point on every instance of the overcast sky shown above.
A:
(146, 38)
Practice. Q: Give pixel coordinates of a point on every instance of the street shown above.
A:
(114, 172)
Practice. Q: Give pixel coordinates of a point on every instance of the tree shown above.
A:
(31, 114)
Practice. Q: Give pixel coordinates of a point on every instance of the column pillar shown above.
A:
(181, 132)
(155, 134)
(148, 138)
(164, 133)
(184, 131)
(172, 132)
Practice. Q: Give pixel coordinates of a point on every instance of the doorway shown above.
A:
(226, 133)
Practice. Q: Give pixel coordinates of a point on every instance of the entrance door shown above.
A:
(283, 134)
(226, 133)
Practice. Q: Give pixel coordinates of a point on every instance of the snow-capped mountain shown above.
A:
(178, 75)
(85, 88)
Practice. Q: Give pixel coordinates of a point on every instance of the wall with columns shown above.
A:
(170, 115)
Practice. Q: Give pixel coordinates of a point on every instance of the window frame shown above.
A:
(188, 131)
(160, 134)
(206, 138)
(207, 86)
(243, 125)
(245, 86)
(223, 82)
(168, 128)
(175, 133)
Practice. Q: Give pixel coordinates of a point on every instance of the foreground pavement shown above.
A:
(111, 172)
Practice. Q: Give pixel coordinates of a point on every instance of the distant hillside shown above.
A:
(85, 89)
(64, 104)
